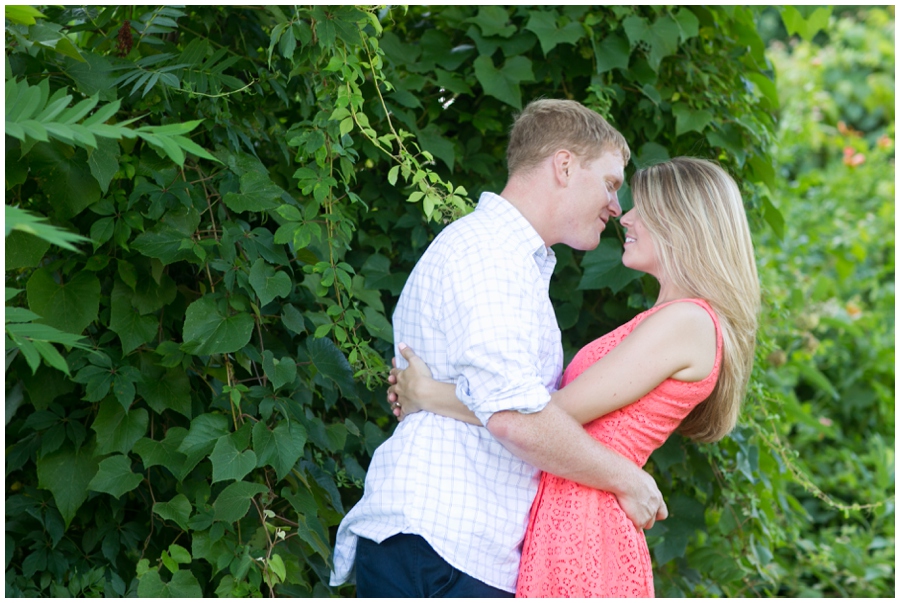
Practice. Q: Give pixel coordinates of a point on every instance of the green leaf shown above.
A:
(208, 331)
(687, 515)
(117, 430)
(171, 390)
(69, 307)
(182, 584)
(24, 250)
(806, 28)
(164, 452)
(331, 362)
(662, 37)
(104, 161)
(493, 21)
(280, 448)
(268, 283)
(280, 372)
(503, 84)
(24, 15)
(690, 120)
(612, 53)
(230, 463)
(649, 154)
(309, 526)
(276, 564)
(205, 430)
(68, 185)
(164, 240)
(66, 474)
(29, 223)
(688, 24)
(258, 193)
(293, 319)
(178, 510)
(543, 24)
(133, 329)
(603, 268)
(767, 87)
(234, 501)
(114, 476)
(432, 140)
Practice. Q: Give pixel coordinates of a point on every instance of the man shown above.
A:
(446, 503)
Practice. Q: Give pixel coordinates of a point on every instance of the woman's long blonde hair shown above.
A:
(694, 211)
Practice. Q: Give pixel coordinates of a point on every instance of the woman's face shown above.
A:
(640, 250)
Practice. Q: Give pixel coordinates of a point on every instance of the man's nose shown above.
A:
(614, 208)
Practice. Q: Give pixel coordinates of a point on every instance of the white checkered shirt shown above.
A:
(476, 308)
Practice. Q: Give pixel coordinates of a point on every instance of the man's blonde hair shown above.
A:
(547, 125)
(693, 210)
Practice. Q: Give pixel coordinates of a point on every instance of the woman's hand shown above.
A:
(411, 387)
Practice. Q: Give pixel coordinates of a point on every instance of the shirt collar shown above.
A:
(517, 225)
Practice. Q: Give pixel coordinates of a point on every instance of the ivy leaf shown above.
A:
(332, 363)
(603, 268)
(808, 27)
(208, 331)
(431, 139)
(205, 430)
(280, 448)
(133, 329)
(69, 307)
(612, 53)
(104, 161)
(293, 319)
(689, 515)
(233, 502)
(182, 584)
(170, 390)
(117, 430)
(690, 120)
(24, 250)
(649, 154)
(543, 24)
(66, 474)
(280, 372)
(163, 452)
(688, 24)
(228, 462)
(661, 37)
(68, 183)
(178, 510)
(493, 21)
(115, 476)
(268, 283)
(164, 241)
(309, 527)
(150, 295)
(258, 193)
(503, 84)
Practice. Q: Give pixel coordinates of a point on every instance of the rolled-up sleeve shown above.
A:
(494, 306)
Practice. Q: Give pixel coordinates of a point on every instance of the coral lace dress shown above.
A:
(579, 542)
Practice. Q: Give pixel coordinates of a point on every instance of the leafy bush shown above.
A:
(193, 398)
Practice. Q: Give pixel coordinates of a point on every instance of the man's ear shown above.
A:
(563, 162)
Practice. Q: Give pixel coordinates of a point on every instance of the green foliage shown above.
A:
(193, 398)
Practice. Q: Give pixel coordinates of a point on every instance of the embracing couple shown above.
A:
(508, 485)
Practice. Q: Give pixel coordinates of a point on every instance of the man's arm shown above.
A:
(554, 442)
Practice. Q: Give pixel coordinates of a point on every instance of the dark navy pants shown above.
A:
(405, 565)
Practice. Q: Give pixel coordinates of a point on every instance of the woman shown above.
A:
(683, 364)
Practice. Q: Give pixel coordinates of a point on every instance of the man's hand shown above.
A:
(642, 502)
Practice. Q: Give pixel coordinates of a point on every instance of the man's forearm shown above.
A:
(554, 442)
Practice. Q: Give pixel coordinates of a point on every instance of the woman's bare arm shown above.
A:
(679, 341)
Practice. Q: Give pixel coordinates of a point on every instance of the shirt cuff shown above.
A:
(526, 400)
